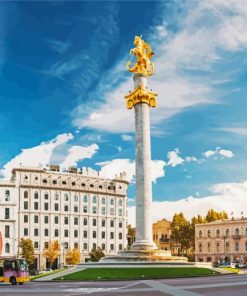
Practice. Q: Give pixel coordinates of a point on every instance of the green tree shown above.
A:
(96, 254)
(27, 250)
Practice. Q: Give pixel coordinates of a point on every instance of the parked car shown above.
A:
(33, 271)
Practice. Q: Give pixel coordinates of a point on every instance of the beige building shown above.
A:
(219, 241)
(78, 208)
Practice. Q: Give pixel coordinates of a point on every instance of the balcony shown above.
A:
(236, 237)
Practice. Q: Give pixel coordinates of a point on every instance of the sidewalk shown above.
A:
(59, 274)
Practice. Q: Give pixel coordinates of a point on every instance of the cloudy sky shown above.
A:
(63, 81)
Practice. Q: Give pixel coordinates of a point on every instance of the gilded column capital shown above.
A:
(140, 95)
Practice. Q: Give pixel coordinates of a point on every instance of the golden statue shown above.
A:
(143, 53)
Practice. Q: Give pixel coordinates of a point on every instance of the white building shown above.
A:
(78, 208)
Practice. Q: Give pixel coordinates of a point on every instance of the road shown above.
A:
(227, 285)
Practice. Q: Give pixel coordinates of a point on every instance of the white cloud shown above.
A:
(219, 151)
(76, 153)
(229, 197)
(127, 138)
(116, 166)
(191, 159)
(174, 159)
(235, 130)
(37, 155)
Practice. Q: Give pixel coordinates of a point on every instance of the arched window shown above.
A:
(218, 247)
(227, 232)
(200, 247)
(7, 248)
(25, 194)
(46, 195)
(218, 233)
(120, 202)
(237, 231)
(209, 247)
(56, 196)
(209, 233)
(94, 199)
(200, 233)
(227, 246)
(75, 198)
(66, 197)
(85, 198)
(36, 195)
(112, 202)
(236, 246)
(103, 200)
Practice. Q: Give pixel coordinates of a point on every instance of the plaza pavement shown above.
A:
(224, 285)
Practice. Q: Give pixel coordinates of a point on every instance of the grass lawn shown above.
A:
(92, 274)
(45, 274)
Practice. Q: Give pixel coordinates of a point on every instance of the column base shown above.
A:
(143, 245)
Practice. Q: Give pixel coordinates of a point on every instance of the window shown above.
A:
(7, 216)
(64, 183)
(94, 234)
(103, 200)
(56, 232)
(94, 199)
(54, 182)
(103, 234)
(85, 246)
(66, 208)
(112, 247)
(25, 205)
(36, 232)
(46, 219)
(36, 219)
(103, 223)
(85, 198)
(94, 246)
(245, 231)
(120, 202)
(36, 195)
(73, 183)
(75, 245)
(200, 247)
(103, 211)
(65, 245)
(85, 221)
(237, 231)
(7, 248)
(25, 194)
(218, 233)
(111, 235)
(94, 222)
(120, 235)
(209, 247)
(103, 247)
(94, 210)
(120, 247)
(217, 247)
(25, 232)
(6, 231)
(120, 224)
(120, 212)
(45, 181)
(7, 195)
(36, 205)
(46, 206)
(75, 209)
(76, 220)
(56, 219)
(46, 245)
(209, 233)
(236, 246)
(245, 246)
(111, 223)
(75, 233)
(66, 197)
(112, 211)
(112, 202)
(56, 196)
(84, 209)
(227, 232)
(85, 234)
(46, 232)
(36, 245)
(66, 233)
(46, 195)
(66, 220)
(56, 207)
(200, 233)
(25, 218)
(227, 246)
(75, 198)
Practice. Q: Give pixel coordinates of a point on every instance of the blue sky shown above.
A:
(63, 81)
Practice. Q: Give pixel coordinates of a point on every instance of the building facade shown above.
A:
(78, 208)
(219, 241)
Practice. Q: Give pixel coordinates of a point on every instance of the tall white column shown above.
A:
(144, 239)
